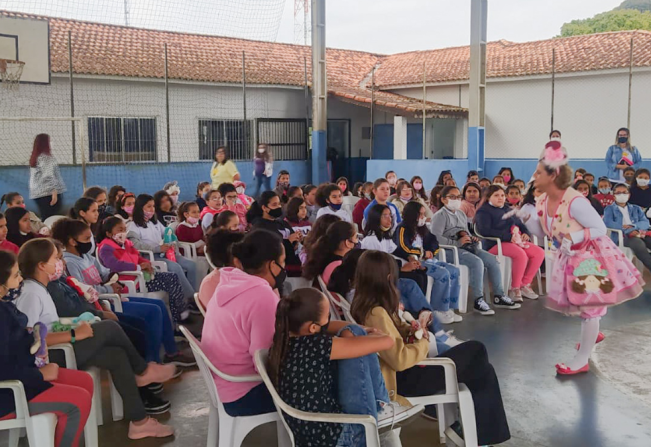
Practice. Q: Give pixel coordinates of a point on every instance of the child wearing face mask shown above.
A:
(124, 207)
(189, 229)
(419, 189)
(392, 178)
(507, 175)
(203, 188)
(232, 203)
(640, 191)
(516, 243)
(329, 198)
(499, 181)
(630, 219)
(513, 196)
(404, 195)
(240, 188)
(604, 192)
(584, 188)
(318, 365)
(366, 198)
(172, 188)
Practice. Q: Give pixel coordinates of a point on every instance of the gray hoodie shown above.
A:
(87, 270)
(446, 224)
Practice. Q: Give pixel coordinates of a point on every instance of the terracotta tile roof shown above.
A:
(506, 59)
(112, 50)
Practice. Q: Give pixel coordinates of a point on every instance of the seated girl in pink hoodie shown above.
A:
(241, 319)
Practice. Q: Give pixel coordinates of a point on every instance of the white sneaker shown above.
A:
(515, 295)
(452, 341)
(457, 318)
(528, 292)
(443, 317)
(393, 415)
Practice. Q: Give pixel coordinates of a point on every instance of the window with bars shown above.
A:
(287, 138)
(230, 133)
(112, 140)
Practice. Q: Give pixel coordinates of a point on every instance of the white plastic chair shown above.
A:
(199, 305)
(117, 406)
(464, 276)
(188, 250)
(40, 428)
(550, 257)
(349, 203)
(368, 421)
(538, 273)
(455, 394)
(626, 250)
(504, 261)
(52, 219)
(158, 265)
(338, 305)
(225, 430)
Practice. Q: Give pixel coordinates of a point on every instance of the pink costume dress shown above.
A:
(596, 275)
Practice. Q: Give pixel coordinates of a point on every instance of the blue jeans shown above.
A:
(180, 267)
(259, 181)
(445, 291)
(361, 388)
(476, 264)
(414, 301)
(159, 326)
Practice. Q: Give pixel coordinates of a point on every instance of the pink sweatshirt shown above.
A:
(239, 321)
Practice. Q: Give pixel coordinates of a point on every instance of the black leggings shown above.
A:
(45, 209)
(476, 372)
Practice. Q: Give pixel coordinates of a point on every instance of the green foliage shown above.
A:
(616, 20)
(640, 5)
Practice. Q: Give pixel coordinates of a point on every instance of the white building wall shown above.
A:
(589, 108)
(128, 98)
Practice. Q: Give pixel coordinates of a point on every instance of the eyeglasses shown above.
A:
(453, 197)
(231, 197)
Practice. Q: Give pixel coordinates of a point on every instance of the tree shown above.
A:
(616, 20)
(640, 5)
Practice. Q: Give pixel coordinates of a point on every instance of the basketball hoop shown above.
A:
(10, 73)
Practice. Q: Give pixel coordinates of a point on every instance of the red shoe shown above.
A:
(600, 338)
(563, 370)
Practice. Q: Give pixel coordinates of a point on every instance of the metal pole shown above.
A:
(372, 110)
(424, 108)
(246, 130)
(319, 93)
(307, 108)
(72, 102)
(167, 110)
(630, 85)
(553, 84)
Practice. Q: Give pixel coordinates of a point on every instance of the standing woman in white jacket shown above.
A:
(263, 169)
(46, 185)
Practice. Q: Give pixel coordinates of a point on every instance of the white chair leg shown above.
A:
(14, 437)
(43, 430)
(91, 436)
(117, 406)
(283, 437)
(226, 433)
(96, 406)
(213, 427)
(440, 413)
(464, 283)
(467, 412)
(539, 279)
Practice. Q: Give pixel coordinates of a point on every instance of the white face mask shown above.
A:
(240, 190)
(523, 191)
(642, 181)
(454, 205)
(622, 198)
(422, 221)
(555, 139)
(260, 151)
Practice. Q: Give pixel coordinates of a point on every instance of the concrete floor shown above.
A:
(609, 407)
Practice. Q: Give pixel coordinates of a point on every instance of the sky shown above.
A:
(379, 26)
(393, 26)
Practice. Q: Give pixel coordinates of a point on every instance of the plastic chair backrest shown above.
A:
(334, 311)
(199, 304)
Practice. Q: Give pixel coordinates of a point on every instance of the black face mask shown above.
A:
(101, 209)
(622, 139)
(12, 294)
(280, 278)
(84, 247)
(275, 212)
(324, 328)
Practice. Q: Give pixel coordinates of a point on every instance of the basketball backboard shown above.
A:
(27, 40)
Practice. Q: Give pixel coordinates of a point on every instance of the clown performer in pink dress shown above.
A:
(589, 273)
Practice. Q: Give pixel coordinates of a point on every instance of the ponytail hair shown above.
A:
(257, 248)
(8, 198)
(82, 204)
(300, 307)
(255, 211)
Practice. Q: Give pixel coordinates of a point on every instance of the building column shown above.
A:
(477, 89)
(399, 138)
(319, 94)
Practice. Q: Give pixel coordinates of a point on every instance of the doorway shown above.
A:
(338, 153)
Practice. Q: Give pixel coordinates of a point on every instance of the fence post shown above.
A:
(246, 130)
(307, 110)
(630, 85)
(372, 109)
(553, 84)
(72, 100)
(167, 110)
(424, 108)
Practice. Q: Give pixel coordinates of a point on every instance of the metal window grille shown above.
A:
(230, 133)
(120, 140)
(287, 138)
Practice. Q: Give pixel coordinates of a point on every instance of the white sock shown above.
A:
(589, 333)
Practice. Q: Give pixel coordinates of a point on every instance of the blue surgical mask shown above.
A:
(335, 207)
(604, 191)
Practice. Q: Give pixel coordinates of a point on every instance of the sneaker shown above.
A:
(515, 295)
(528, 292)
(155, 373)
(443, 317)
(451, 341)
(150, 429)
(504, 302)
(185, 315)
(455, 317)
(393, 415)
(155, 388)
(482, 307)
(180, 359)
(153, 404)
